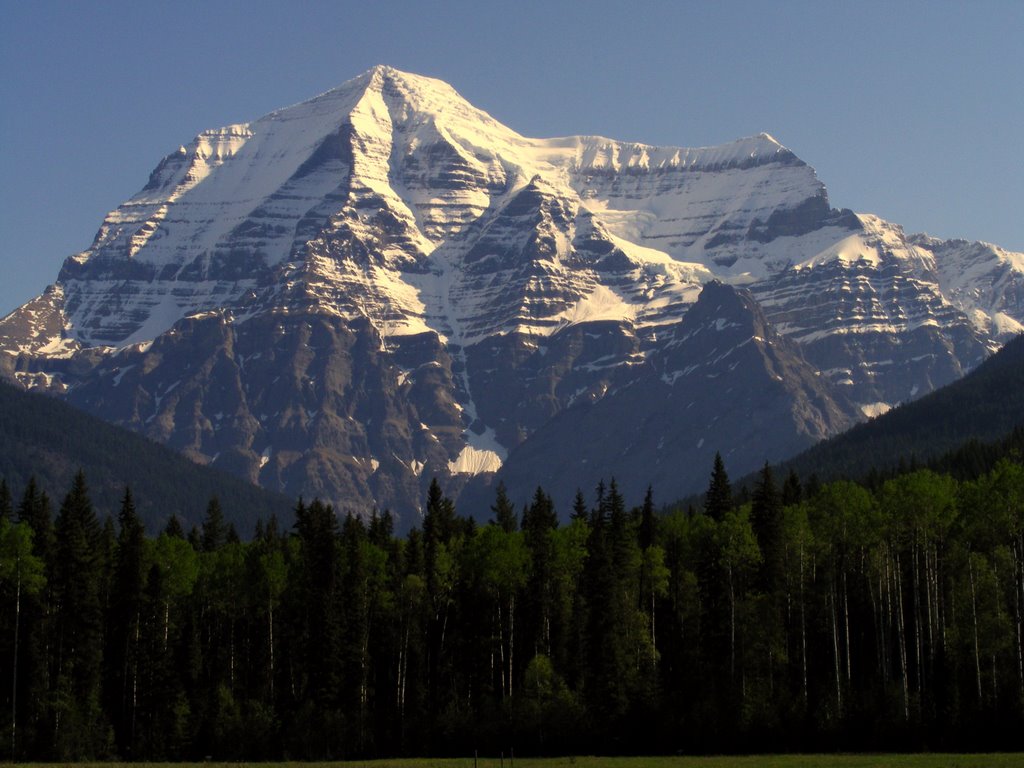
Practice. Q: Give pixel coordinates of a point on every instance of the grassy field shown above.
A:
(760, 761)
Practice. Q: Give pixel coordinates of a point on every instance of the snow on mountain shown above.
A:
(461, 285)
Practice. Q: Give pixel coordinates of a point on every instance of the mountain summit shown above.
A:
(382, 284)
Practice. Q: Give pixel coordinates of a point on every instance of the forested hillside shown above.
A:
(827, 618)
(45, 438)
(984, 405)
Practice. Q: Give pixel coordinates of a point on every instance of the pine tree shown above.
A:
(174, 529)
(214, 530)
(35, 510)
(382, 529)
(718, 499)
(355, 628)
(766, 520)
(647, 521)
(6, 505)
(35, 688)
(603, 682)
(504, 511)
(439, 531)
(21, 576)
(539, 523)
(792, 491)
(317, 528)
(124, 618)
(79, 650)
(579, 507)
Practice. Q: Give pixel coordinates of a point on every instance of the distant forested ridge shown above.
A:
(48, 439)
(810, 617)
(984, 406)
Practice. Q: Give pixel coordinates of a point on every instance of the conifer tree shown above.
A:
(6, 505)
(766, 520)
(602, 669)
(382, 529)
(792, 491)
(174, 529)
(355, 602)
(124, 618)
(79, 632)
(718, 499)
(35, 688)
(439, 533)
(647, 521)
(34, 509)
(539, 523)
(504, 511)
(21, 577)
(214, 531)
(317, 528)
(579, 507)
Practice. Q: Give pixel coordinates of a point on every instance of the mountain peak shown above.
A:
(387, 283)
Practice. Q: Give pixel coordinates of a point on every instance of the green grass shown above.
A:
(757, 761)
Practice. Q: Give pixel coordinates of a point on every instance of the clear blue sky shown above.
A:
(913, 112)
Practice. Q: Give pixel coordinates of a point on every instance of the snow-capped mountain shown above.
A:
(383, 283)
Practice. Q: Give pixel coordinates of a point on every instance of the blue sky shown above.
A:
(913, 112)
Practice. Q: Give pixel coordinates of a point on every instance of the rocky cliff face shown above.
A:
(723, 380)
(350, 296)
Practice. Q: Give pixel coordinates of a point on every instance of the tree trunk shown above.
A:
(732, 629)
(1017, 596)
(846, 626)
(14, 666)
(835, 650)
(501, 650)
(803, 628)
(974, 615)
(270, 637)
(511, 639)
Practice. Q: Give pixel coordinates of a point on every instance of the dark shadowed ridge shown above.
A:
(985, 405)
(51, 440)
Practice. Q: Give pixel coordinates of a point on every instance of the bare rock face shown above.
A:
(383, 284)
(724, 380)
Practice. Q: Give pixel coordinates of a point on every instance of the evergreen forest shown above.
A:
(795, 617)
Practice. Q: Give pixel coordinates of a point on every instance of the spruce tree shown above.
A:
(579, 507)
(35, 688)
(766, 520)
(123, 626)
(382, 529)
(21, 577)
(504, 511)
(6, 505)
(439, 530)
(354, 636)
(603, 682)
(647, 521)
(539, 523)
(214, 531)
(317, 528)
(174, 529)
(34, 509)
(79, 649)
(718, 499)
(792, 491)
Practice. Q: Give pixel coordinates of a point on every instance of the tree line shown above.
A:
(835, 616)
